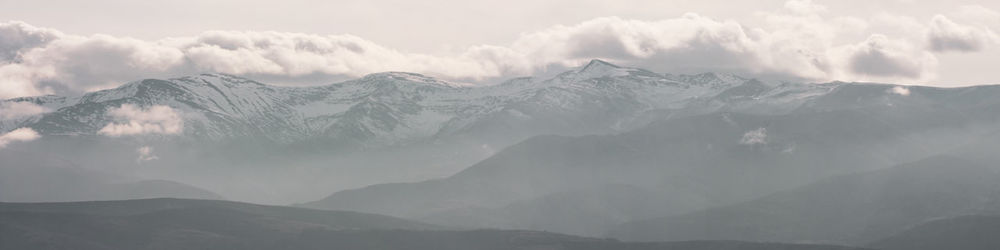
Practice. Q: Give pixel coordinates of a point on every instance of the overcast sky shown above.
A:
(65, 47)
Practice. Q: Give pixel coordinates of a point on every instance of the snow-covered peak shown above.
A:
(218, 78)
(397, 107)
(405, 77)
(597, 65)
(710, 79)
(598, 68)
(601, 69)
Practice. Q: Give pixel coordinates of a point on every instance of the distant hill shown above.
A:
(172, 224)
(971, 232)
(205, 224)
(682, 164)
(853, 209)
(31, 177)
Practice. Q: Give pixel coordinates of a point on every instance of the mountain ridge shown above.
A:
(403, 127)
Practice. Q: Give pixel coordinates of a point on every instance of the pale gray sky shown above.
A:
(945, 43)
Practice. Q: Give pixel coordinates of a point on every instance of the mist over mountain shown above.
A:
(600, 150)
(28, 177)
(228, 127)
(685, 163)
(500, 125)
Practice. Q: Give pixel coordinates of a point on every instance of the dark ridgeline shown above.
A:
(204, 224)
(971, 232)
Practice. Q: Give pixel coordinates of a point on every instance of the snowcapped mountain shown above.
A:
(384, 127)
(754, 139)
(305, 142)
(396, 126)
(394, 108)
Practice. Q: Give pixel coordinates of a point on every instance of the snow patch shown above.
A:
(754, 137)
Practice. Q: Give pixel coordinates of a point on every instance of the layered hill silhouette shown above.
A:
(854, 209)
(200, 224)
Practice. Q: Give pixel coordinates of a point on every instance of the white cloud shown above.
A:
(977, 15)
(796, 42)
(804, 7)
(882, 57)
(157, 119)
(900, 90)
(754, 137)
(145, 154)
(12, 110)
(18, 135)
(19, 37)
(946, 35)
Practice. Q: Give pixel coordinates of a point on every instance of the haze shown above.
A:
(462, 125)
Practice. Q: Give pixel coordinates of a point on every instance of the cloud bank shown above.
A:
(157, 119)
(795, 42)
(18, 135)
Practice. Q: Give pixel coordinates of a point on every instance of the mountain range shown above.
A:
(597, 151)
(588, 184)
(201, 224)
(430, 128)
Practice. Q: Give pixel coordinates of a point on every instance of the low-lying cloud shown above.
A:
(133, 120)
(900, 90)
(754, 137)
(18, 135)
(15, 110)
(145, 154)
(796, 42)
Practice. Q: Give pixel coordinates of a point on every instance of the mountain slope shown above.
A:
(27, 177)
(171, 224)
(401, 127)
(688, 163)
(384, 127)
(201, 224)
(971, 232)
(852, 209)
(377, 110)
(170, 206)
